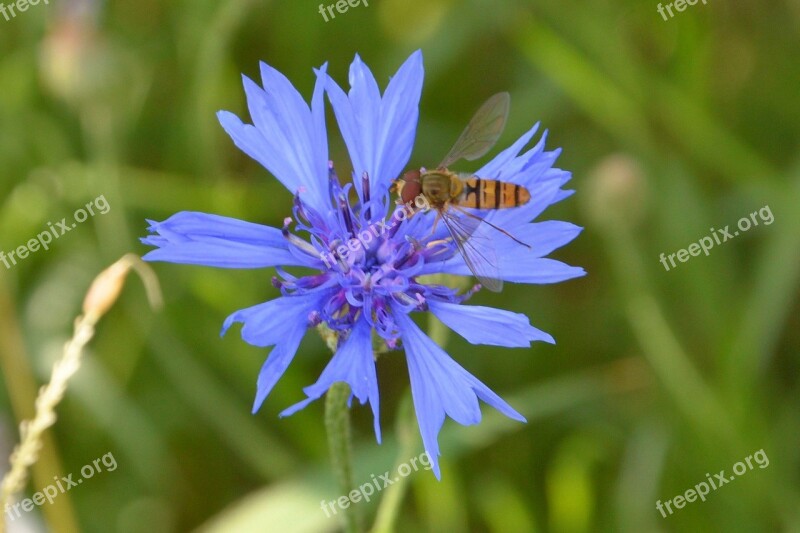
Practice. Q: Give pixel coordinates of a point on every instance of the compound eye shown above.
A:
(411, 186)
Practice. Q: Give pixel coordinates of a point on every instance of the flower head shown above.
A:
(369, 255)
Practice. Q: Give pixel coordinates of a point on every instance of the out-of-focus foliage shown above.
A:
(658, 378)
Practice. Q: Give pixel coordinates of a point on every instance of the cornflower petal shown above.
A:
(288, 137)
(520, 265)
(264, 323)
(277, 362)
(354, 364)
(379, 132)
(211, 240)
(440, 387)
(486, 325)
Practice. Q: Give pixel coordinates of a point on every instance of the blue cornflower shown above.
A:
(374, 285)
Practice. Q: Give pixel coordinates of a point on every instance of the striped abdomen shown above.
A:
(491, 194)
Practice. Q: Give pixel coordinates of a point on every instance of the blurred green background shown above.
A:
(657, 378)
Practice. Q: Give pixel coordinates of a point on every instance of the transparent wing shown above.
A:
(482, 131)
(475, 244)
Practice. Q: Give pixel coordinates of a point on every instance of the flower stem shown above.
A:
(340, 444)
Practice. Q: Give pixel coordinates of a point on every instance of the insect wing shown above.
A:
(482, 131)
(475, 245)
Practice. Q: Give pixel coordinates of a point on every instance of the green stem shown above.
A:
(340, 444)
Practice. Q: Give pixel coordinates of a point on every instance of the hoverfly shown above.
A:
(449, 193)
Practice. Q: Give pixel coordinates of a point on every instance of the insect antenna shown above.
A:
(501, 230)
